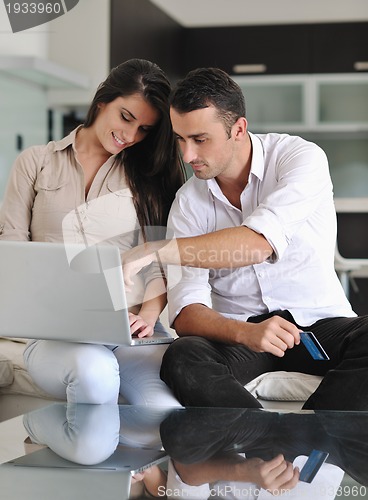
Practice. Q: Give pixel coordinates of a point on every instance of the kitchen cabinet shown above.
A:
(141, 29)
(261, 49)
(45, 73)
(328, 109)
(339, 47)
(279, 49)
(342, 102)
(276, 103)
(306, 103)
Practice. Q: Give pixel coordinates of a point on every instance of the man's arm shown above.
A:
(276, 475)
(273, 335)
(227, 248)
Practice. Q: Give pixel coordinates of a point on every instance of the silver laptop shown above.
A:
(44, 474)
(65, 292)
(124, 458)
(38, 483)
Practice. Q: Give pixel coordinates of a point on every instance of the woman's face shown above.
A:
(124, 122)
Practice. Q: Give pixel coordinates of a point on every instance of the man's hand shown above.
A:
(134, 260)
(276, 476)
(162, 251)
(274, 335)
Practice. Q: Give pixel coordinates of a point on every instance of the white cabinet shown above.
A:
(329, 109)
(342, 103)
(306, 103)
(275, 103)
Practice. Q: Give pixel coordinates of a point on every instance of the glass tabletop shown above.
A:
(120, 452)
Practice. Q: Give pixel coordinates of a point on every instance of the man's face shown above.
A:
(204, 142)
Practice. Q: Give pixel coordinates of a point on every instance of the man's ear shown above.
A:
(240, 128)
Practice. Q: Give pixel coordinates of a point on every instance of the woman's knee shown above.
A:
(94, 376)
(140, 382)
(81, 373)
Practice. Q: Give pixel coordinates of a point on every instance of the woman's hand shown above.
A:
(154, 480)
(140, 327)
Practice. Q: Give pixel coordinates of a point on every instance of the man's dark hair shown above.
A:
(204, 87)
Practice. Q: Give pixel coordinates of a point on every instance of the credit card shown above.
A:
(313, 346)
(315, 460)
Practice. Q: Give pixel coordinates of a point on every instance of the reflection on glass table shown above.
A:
(85, 452)
(254, 454)
(120, 452)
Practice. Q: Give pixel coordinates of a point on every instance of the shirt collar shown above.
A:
(256, 167)
(68, 140)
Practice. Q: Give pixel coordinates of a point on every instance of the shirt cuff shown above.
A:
(271, 229)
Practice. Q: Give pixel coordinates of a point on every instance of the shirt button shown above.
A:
(261, 274)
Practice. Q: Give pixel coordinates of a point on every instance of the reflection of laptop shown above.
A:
(124, 458)
(65, 292)
(43, 474)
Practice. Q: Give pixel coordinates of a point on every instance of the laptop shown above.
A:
(65, 292)
(44, 474)
(75, 470)
(132, 460)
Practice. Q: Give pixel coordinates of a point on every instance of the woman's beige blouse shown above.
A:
(45, 201)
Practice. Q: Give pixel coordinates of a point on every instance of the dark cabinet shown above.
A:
(280, 49)
(339, 48)
(275, 49)
(141, 29)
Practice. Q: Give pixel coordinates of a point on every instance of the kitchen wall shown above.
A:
(78, 43)
(23, 106)
(23, 121)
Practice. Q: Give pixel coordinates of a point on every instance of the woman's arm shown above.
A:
(154, 481)
(154, 302)
(16, 209)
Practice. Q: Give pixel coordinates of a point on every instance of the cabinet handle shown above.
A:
(249, 68)
(361, 65)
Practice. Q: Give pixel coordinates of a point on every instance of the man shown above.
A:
(260, 208)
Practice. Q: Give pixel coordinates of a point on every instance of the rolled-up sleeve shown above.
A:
(301, 182)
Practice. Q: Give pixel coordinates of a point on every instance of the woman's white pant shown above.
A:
(96, 374)
(89, 434)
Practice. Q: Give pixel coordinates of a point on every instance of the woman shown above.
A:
(113, 175)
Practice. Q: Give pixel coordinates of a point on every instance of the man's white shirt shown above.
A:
(289, 200)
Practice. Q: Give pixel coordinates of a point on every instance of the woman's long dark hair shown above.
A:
(153, 167)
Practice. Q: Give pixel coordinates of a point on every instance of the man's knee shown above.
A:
(183, 356)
